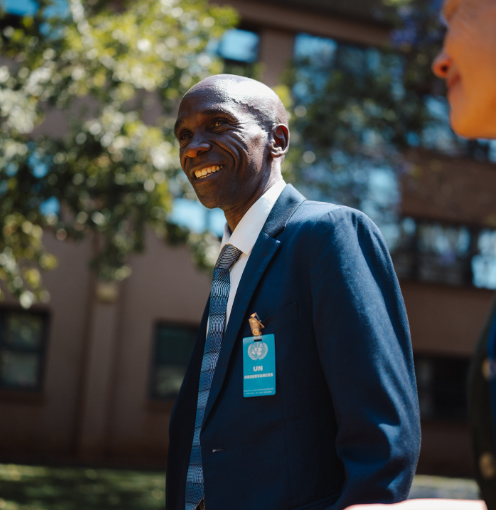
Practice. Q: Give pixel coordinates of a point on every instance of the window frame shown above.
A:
(438, 417)
(190, 325)
(474, 230)
(42, 352)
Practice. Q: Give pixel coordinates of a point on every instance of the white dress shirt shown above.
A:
(245, 236)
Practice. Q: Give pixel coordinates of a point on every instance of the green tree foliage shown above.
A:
(116, 71)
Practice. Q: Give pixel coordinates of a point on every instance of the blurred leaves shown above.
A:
(110, 168)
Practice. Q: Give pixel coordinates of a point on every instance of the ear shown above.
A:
(279, 140)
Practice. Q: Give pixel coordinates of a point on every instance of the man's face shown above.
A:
(468, 64)
(223, 148)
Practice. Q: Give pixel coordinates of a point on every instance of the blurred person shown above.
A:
(314, 405)
(467, 62)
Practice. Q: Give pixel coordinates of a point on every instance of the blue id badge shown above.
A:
(259, 366)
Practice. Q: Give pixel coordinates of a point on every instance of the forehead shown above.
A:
(210, 101)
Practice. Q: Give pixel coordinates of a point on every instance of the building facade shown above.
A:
(91, 377)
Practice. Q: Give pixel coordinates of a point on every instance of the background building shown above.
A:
(92, 376)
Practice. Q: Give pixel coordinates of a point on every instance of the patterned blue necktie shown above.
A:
(219, 296)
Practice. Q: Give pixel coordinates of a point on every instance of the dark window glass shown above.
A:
(172, 350)
(442, 386)
(22, 345)
(441, 253)
(484, 262)
(318, 59)
(403, 248)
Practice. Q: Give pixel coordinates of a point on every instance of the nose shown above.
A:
(441, 65)
(198, 145)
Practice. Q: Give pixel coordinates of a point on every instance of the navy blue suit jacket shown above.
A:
(343, 426)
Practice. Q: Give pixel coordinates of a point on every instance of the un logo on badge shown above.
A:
(258, 350)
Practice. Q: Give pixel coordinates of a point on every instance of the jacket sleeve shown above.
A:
(363, 339)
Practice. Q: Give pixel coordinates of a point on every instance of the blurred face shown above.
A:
(468, 64)
(223, 148)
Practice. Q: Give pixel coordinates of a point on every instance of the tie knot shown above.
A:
(229, 255)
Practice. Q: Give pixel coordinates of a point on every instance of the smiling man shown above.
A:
(300, 392)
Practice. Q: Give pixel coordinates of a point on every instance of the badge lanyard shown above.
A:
(259, 361)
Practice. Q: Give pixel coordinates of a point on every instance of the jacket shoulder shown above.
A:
(327, 216)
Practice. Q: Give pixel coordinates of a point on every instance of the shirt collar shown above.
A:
(246, 232)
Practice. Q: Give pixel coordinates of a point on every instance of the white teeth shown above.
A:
(207, 171)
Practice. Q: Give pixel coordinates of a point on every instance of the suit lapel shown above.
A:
(264, 250)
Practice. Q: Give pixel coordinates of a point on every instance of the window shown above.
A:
(239, 50)
(484, 262)
(22, 347)
(437, 252)
(172, 350)
(324, 63)
(194, 216)
(238, 46)
(20, 7)
(442, 386)
(29, 7)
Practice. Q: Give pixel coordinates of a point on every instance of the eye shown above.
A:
(219, 122)
(183, 135)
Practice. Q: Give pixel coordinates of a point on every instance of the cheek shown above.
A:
(257, 144)
(474, 53)
(247, 148)
(235, 145)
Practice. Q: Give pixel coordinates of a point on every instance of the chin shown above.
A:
(463, 124)
(472, 118)
(208, 202)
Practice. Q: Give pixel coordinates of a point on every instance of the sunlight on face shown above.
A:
(468, 64)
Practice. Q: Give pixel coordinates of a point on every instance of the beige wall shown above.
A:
(449, 189)
(164, 286)
(45, 422)
(445, 319)
(95, 405)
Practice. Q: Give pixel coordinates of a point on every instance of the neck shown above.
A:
(235, 214)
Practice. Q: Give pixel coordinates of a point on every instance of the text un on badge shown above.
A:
(259, 366)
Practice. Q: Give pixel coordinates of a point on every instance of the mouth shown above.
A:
(203, 173)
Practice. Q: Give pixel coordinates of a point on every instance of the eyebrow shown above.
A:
(177, 126)
(449, 8)
(210, 112)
